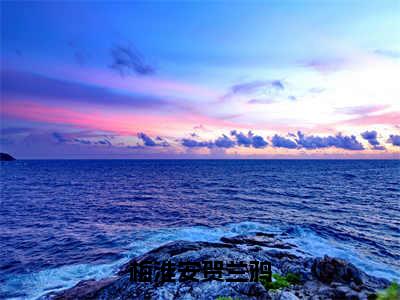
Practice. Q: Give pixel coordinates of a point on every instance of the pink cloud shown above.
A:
(119, 122)
(390, 118)
(361, 110)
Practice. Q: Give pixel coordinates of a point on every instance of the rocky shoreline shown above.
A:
(318, 277)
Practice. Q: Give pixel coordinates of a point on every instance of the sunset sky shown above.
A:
(251, 79)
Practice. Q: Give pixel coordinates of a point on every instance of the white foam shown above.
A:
(40, 283)
(314, 244)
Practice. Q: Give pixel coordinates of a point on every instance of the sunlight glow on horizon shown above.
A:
(190, 100)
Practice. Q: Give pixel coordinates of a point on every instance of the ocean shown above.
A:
(62, 221)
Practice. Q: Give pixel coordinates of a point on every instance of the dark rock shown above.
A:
(270, 235)
(6, 157)
(265, 240)
(280, 254)
(330, 269)
(321, 278)
(87, 289)
(169, 250)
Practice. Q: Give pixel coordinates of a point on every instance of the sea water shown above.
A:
(62, 221)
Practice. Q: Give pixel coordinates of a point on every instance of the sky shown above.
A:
(200, 79)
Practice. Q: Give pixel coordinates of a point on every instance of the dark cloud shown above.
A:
(26, 84)
(104, 142)
(338, 141)
(81, 141)
(224, 142)
(278, 84)
(378, 148)
(221, 142)
(259, 142)
(63, 139)
(371, 137)
(41, 143)
(311, 142)
(249, 139)
(394, 140)
(59, 137)
(242, 139)
(190, 143)
(282, 142)
(344, 142)
(253, 86)
(127, 59)
(149, 142)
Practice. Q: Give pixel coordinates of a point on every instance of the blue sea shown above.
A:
(62, 221)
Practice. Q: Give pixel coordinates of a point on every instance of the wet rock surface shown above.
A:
(320, 277)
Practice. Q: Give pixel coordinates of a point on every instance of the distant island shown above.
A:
(6, 157)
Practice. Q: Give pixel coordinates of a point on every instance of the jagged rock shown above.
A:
(259, 239)
(283, 295)
(321, 278)
(330, 269)
(87, 289)
(170, 250)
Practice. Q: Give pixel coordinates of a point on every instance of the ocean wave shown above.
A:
(33, 285)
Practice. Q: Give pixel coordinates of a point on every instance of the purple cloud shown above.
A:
(259, 142)
(26, 84)
(345, 142)
(371, 137)
(84, 142)
(104, 142)
(282, 142)
(62, 138)
(190, 143)
(338, 141)
(224, 142)
(149, 142)
(311, 142)
(248, 88)
(127, 59)
(253, 86)
(242, 139)
(249, 139)
(394, 140)
(361, 110)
